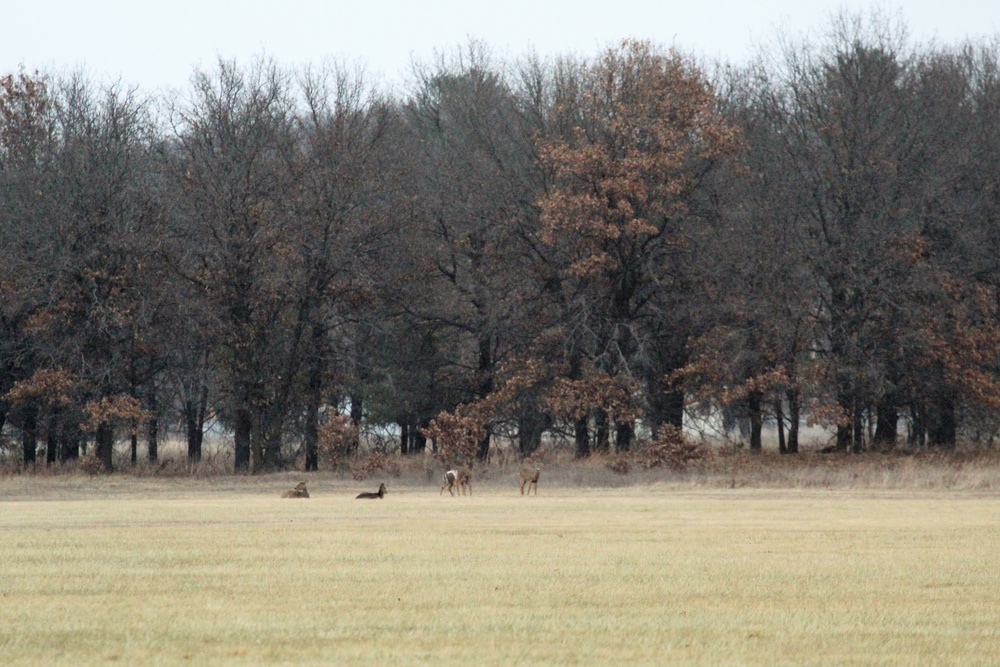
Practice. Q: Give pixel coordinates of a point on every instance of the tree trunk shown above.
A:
(483, 450)
(134, 444)
(105, 445)
(531, 425)
(52, 441)
(779, 418)
(886, 421)
(69, 442)
(311, 434)
(418, 441)
(486, 369)
(194, 415)
(674, 409)
(841, 301)
(756, 420)
(268, 456)
(675, 414)
(357, 408)
(846, 403)
(793, 420)
(193, 433)
(153, 439)
(153, 426)
(133, 423)
(942, 429)
(602, 440)
(581, 433)
(241, 436)
(859, 428)
(666, 404)
(314, 396)
(29, 435)
(624, 434)
(404, 436)
(918, 429)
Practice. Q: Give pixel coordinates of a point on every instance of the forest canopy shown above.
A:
(590, 248)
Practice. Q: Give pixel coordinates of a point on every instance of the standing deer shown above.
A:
(529, 476)
(464, 480)
(298, 492)
(450, 480)
(461, 478)
(381, 493)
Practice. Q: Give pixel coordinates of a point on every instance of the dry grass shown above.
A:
(148, 571)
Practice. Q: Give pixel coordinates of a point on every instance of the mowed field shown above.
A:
(138, 572)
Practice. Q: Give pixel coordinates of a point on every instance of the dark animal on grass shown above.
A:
(298, 492)
(381, 493)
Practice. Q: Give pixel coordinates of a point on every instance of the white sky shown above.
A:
(156, 45)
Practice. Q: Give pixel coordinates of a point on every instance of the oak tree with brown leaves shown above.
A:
(627, 183)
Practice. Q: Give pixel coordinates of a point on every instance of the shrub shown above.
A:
(338, 440)
(365, 467)
(671, 449)
(619, 464)
(457, 437)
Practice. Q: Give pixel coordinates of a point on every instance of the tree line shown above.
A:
(589, 247)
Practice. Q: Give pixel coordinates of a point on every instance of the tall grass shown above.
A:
(967, 468)
(646, 574)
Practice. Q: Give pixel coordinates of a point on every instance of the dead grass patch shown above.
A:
(648, 574)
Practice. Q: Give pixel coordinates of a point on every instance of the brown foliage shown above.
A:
(573, 399)
(671, 449)
(91, 465)
(112, 409)
(457, 437)
(366, 466)
(24, 104)
(620, 463)
(51, 386)
(647, 118)
(338, 439)
(966, 343)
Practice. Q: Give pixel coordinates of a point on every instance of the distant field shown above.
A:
(132, 571)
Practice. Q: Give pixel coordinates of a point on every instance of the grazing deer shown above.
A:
(529, 476)
(450, 480)
(298, 492)
(381, 493)
(465, 480)
(461, 478)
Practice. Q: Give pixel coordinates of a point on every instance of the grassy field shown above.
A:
(133, 571)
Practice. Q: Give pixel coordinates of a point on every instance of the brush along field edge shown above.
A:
(582, 576)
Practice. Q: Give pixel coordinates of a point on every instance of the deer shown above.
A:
(465, 480)
(299, 491)
(381, 493)
(461, 478)
(450, 480)
(529, 476)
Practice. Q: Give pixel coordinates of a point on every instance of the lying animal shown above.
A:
(298, 492)
(380, 494)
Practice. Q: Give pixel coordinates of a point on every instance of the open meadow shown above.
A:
(139, 571)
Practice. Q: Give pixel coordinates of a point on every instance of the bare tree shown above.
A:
(349, 174)
(235, 181)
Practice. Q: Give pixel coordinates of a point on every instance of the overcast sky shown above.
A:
(156, 45)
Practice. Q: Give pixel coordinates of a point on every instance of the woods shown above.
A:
(591, 249)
